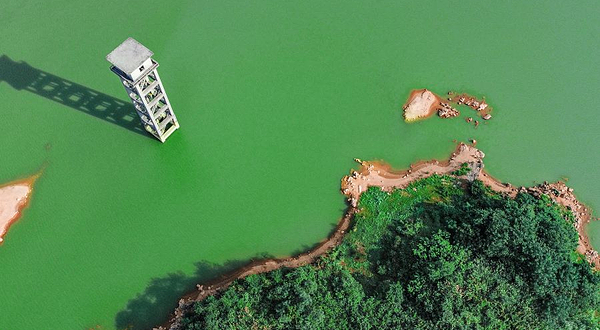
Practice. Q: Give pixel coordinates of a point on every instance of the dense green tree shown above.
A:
(439, 254)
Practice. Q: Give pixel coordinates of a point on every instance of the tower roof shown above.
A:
(129, 55)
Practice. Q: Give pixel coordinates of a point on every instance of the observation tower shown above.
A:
(132, 62)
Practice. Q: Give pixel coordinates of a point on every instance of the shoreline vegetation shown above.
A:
(465, 163)
(14, 197)
(381, 175)
(423, 103)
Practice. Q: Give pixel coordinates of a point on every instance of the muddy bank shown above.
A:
(14, 197)
(381, 175)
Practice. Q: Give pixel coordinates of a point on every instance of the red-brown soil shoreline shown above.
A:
(382, 175)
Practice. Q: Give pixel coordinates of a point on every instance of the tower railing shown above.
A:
(138, 73)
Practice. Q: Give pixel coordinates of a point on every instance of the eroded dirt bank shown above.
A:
(381, 175)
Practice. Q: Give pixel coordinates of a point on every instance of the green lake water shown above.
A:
(274, 99)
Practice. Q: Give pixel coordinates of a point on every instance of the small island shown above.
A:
(423, 103)
(439, 245)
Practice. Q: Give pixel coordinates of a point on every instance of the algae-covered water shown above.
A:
(274, 99)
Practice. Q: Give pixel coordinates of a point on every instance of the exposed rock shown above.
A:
(421, 104)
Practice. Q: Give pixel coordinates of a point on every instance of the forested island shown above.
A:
(442, 251)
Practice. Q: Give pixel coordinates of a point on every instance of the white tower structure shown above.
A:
(132, 62)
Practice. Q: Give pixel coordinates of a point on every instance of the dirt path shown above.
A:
(382, 175)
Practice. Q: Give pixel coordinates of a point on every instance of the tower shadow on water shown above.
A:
(155, 305)
(22, 76)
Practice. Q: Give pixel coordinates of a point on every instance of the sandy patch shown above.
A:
(13, 199)
(421, 104)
